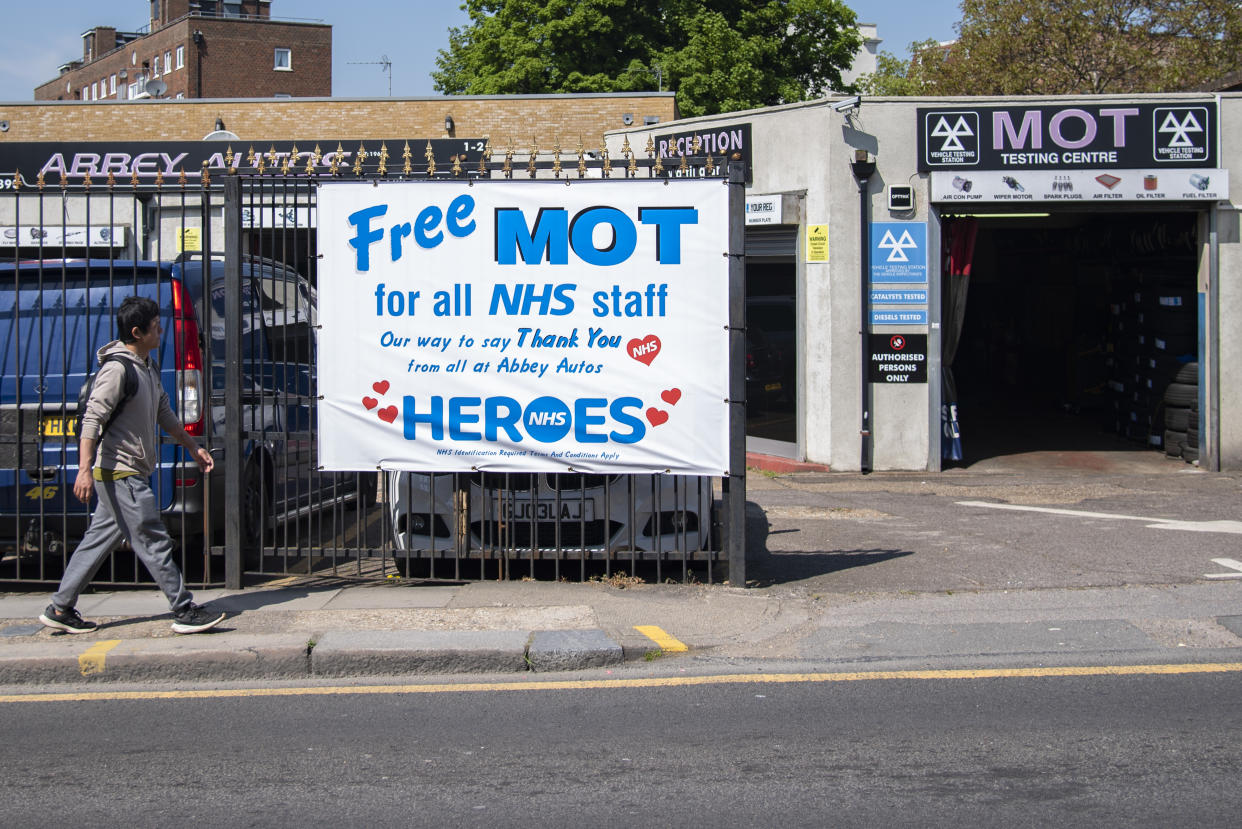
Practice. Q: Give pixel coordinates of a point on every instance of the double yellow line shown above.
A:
(640, 682)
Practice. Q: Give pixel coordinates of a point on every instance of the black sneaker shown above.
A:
(67, 620)
(195, 619)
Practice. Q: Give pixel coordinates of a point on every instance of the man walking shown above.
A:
(117, 454)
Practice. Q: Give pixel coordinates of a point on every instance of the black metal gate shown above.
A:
(232, 262)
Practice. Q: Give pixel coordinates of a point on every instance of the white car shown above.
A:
(649, 515)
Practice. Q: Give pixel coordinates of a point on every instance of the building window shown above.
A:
(284, 59)
(112, 85)
(181, 57)
(167, 62)
(133, 59)
(94, 91)
(155, 67)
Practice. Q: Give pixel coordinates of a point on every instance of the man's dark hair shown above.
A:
(134, 312)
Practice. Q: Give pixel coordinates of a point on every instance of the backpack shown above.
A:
(84, 394)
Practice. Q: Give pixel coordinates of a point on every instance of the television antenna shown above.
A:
(383, 62)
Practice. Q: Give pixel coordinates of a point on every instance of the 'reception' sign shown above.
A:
(524, 326)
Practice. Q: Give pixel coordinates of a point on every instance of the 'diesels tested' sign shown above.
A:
(524, 326)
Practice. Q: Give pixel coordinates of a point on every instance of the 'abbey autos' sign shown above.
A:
(1072, 136)
(524, 326)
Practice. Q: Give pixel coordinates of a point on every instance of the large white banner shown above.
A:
(524, 326)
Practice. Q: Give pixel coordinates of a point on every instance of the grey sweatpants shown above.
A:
(126, 510)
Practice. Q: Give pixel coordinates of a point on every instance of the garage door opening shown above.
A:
(1080, 333)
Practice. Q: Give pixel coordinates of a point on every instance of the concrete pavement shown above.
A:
(1031, 565)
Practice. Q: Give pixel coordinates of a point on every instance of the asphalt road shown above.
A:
(1145, 750)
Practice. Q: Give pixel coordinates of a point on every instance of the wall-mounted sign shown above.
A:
(62, 236)
(897, 358)
(724, 143)
(73, 162)
(764, 210)
(817, 243)
(899, 252)
(524, 326)
(916, 296)
(902, 316)
(1094, 186)
(189, 239)
(900, 197)
(1107, 136)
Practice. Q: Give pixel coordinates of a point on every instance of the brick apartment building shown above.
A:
(200, 49)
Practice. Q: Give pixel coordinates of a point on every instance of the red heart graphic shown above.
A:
(655, 416)
(644, 350)
(370, 403)
(388, 415)
(381, 386)
(671, 396)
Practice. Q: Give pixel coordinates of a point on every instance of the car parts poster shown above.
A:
(524, 326)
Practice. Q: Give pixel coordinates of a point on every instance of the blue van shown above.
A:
(55, 315)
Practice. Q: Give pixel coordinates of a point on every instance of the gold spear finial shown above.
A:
(631, 167)
(556, 156)
(710, 161)
(228, 157)
(17, 179)
(581, 159)
(603, 151)
(289, 160)
(272, 156)
(486, 158)
(181, 181)
(407, 160)
(684, 165)
(650, 148)
(383, 159)
(261, 163)
(111, 180)
(457, 157)
(530, 161)
(86, 182)
(359, 159)
(698, 143)
(205, 176)
(159, 179)
(312, 161)
(133, 177)
(658, 169)
(508, 168)
(335, 166)
(430, 155)
(250, 157)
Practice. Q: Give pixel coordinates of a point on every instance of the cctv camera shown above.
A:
(848, 104)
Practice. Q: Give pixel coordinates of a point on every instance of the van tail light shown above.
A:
(189, 363)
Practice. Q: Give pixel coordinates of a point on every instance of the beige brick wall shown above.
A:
(520, 119)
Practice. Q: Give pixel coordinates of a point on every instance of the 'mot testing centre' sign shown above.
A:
(524, 326)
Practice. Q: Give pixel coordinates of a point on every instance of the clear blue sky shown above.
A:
(42, 36)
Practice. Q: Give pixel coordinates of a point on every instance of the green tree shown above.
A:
(1062, 47)
(895, 76)
(717, 55)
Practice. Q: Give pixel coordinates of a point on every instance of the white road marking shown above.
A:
(1230, 527)
(1232, 564)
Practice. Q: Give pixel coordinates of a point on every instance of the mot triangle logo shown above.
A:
(952, 133)
(1182, 129)
(897, 247)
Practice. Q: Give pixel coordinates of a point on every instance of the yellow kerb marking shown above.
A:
(92, 659)
(641, 682)
(658, 635)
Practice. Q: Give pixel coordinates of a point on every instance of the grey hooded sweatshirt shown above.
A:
(130, 443)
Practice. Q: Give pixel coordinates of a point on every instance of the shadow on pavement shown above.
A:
(765, 567)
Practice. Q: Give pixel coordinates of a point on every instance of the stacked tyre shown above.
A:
(1181, 414)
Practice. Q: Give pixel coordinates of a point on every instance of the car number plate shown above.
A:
(58, 426)
(567, 509)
